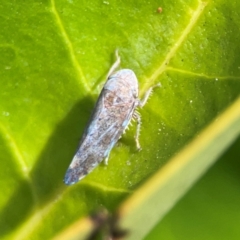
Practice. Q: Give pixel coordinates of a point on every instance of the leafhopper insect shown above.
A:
(115, 108)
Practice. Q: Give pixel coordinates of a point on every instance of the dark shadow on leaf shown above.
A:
(17, 208)
(50, 169)
(48, 173)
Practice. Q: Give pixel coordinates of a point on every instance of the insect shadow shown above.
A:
(46, 178)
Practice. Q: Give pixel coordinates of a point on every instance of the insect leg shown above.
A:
(137, 117)
(115, 65)
(143, 101)
(106, 159)
(107, 153)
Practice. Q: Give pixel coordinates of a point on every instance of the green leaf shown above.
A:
(210, 209)
(151, 202)
(140, 212)
(53, 60)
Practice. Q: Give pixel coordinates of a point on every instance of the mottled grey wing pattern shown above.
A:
(110, 117)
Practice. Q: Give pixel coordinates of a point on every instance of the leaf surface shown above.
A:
(54, 56)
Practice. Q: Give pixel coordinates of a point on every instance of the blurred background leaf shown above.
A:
(210, 210)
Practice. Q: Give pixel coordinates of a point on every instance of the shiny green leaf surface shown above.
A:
(54, 56)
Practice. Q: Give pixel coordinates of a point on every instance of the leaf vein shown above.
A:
(36, 217)
(197, 13)
(201, 74)
(70, 47)
(19, 159)
(16, 152)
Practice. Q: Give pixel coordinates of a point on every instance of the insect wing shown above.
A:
(112, 113)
